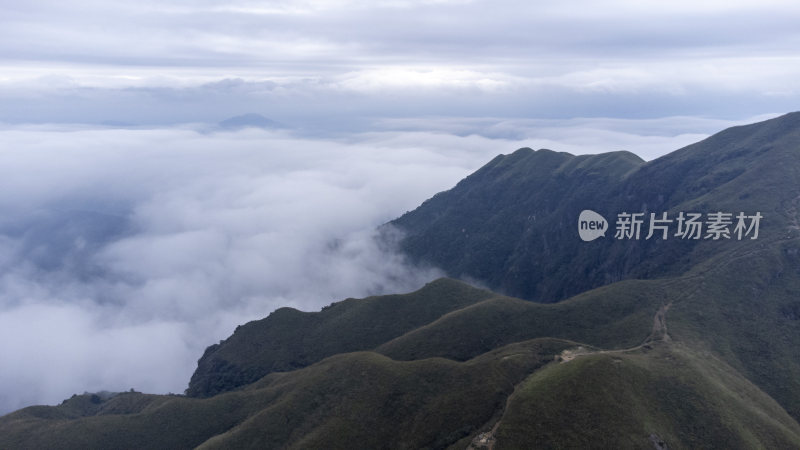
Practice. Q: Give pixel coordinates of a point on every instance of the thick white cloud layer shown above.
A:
(125, 252)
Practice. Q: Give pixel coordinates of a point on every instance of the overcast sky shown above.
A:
(328, 62)
(134, 232)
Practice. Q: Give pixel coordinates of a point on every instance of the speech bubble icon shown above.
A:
(591, 225)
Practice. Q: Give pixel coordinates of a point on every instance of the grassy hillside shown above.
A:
(647, 375)
(354, 400)
(744, 307)
(290, 339)
(666, 393)
(446, 318)
(512, 224)
(615, 316)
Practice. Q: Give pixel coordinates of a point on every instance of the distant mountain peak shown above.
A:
(249, 120)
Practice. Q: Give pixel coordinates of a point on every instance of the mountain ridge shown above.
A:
(280, 340)
(497, 229)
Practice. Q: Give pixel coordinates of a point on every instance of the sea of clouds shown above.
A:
(124, 252)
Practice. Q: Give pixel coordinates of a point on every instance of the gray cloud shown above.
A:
(252, 33)
(304, 62)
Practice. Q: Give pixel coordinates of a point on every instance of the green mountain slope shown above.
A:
(541, 393)
(668, 394)
(446, 318)
(512, 224)
(289, 339)
(615, 316)
(741, 306)
(354, 400)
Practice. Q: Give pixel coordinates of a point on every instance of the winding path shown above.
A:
(487, 440)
